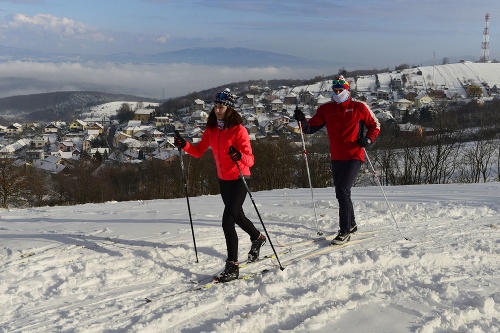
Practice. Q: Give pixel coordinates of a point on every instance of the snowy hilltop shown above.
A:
(451, 79)
(131, 266)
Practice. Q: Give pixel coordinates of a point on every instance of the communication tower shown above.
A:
(485, 47)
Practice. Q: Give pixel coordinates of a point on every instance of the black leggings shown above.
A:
(233, 194)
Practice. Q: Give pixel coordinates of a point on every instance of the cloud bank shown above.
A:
(155, 81)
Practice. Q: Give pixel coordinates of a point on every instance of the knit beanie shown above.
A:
(340, 83)
(225, 98)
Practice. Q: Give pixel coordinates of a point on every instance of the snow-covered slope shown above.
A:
(111, 108)
(90, 268)
(452, 78)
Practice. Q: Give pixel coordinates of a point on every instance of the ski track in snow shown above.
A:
(90, 268)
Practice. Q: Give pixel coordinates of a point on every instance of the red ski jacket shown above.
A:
(220, 141)
(344, 124)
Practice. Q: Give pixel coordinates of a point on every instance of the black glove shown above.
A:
(234, 154)
(299, 115)
(364, 142)
(179, 141)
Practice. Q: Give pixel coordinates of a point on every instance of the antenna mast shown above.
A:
(485, 47)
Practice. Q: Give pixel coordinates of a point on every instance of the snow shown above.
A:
(111, 108)
(90, 268)
(452, 78)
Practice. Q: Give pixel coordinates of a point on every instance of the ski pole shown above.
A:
(309, 177)
(255, 206)
(382, 189)
(187, 199)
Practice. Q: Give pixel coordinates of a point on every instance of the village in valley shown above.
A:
(267, 111)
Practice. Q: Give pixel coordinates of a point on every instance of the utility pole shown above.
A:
(485, 46)
(433, 62)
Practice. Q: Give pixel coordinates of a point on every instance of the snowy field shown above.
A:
(452, 78)
(111, 108)
(127, 267)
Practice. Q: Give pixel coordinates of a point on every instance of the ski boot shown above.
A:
(231, 272)
(253, 254)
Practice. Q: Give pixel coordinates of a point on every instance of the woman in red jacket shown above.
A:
(345, 120)
(225, 132)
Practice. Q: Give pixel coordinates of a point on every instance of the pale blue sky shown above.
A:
(354, 34)
(373, 33)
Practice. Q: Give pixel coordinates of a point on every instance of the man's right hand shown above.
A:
(299, 115)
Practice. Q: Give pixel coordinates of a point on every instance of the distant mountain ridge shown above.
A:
(237, 56)
(48, 106)
(222, 56)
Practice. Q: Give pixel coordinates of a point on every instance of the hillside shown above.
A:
(452, 78)
(56, 105)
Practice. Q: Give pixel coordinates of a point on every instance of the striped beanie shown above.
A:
(340, 83)
(225, 98)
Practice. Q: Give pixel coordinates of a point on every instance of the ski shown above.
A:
(322, 238)
(213, 282)
(247, 276)
(264, 258)
(289, 261)
(247, 264)
(330, 247)
(297, 254)
(295, 247)
(307, 255)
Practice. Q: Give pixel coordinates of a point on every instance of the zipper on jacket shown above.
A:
(219, 154)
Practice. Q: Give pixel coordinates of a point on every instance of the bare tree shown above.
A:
(125, 113)
(385, 161)
(476, 160)
(410, 159)
(440, 158)
(37, 187)
(13, 182)
(318, 156)
(498, 163)
(201, 174)
(275, 164)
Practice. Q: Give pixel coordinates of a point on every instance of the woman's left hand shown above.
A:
(234, 154)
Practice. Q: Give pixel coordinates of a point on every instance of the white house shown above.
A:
(14, 129)
(277, 104)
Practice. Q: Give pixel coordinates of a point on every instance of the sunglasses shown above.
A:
(341, 82)
(221, 96)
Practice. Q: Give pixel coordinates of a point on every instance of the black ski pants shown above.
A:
(344, 175)
(233, 194)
